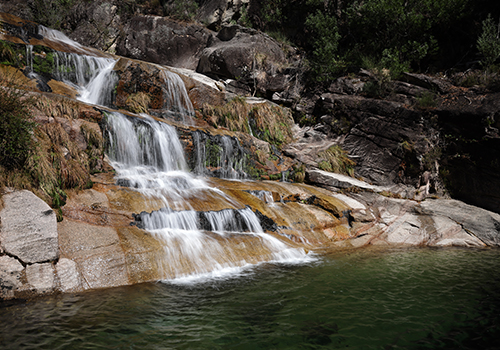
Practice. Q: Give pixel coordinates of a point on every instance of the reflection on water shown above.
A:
(400, 299)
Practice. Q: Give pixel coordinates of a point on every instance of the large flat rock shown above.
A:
(29, 228)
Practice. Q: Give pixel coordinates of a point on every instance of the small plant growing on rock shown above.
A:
(138, 103)
(427, 100)
(336, 160)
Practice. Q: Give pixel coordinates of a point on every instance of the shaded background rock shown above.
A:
(164, 41)
(246, 55)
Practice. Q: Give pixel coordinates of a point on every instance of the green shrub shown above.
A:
(326, 63)
(488, 42)
(427, 100)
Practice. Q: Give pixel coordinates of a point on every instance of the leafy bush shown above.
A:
(488, 42)
(326, 63)
(427, 100)
(399, 32)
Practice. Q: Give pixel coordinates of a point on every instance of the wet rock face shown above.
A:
(163, 41)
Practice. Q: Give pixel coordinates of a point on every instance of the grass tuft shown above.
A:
(336, 160)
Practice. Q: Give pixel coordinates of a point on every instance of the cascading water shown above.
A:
(148, 157)
(175, 98)
(92, 76)
(221, 153)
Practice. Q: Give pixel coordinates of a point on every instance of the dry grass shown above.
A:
(265, 121)
(232, 115)
(138, 103)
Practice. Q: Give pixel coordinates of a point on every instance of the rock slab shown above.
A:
(10, 276)
(28, 228)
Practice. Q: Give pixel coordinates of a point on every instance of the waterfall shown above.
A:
(175, 97)
(223, 154)
(148, 157)
(92, 76)
(60, 38)
(29, 57)
(265, 196)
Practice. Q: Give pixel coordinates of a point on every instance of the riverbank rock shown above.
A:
(29, 228)
(10, 276)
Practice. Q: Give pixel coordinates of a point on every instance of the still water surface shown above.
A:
(397, 299)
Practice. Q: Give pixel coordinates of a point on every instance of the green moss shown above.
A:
(212, 154)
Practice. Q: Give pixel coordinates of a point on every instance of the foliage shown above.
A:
(336, 160)
(400, 31)
(325, 62)
(378, 85)
(16, 124)
(427, 100)
(299, 174)
(7, 53)
(397, 35)
(488, 42)
(42, 158)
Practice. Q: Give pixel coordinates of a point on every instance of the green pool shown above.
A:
(367, 299)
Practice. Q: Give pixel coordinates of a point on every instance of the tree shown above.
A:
(326, 63)
(488, 42)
